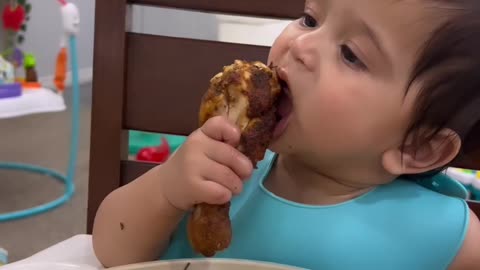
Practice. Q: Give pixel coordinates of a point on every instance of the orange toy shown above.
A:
(61, 70)
(28, 85)
(31, 85)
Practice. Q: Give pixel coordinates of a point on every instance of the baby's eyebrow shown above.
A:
(374, 37)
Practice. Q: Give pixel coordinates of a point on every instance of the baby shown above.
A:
(383, 95)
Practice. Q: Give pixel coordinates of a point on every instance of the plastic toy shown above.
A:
(141, 139)
(157, 154)
(13, 16)
(10, 90)
(30, 73)
(31, 78)
(70, 16)
(8, 87)
(16, 57)
(71, 22)
(6, 72)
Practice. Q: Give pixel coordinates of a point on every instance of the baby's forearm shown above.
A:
(134, 223)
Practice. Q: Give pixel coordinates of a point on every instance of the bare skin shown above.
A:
(133, 227)
(150, 208)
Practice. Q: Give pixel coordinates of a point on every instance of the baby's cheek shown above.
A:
(328, 115)
(335, 107)
(339, 121)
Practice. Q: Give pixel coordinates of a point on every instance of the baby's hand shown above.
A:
(207, 168)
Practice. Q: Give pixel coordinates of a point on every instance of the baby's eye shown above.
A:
(309, 21)
(349, 56)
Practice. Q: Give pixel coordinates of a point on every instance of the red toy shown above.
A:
(13, 17)
(157, 154)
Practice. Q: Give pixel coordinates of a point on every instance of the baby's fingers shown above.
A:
(230, 157)
(222, 175)
(220, 129)
(214, 193)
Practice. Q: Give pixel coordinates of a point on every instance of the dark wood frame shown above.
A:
(137, 82)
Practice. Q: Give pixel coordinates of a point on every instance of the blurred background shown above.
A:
(43, 138)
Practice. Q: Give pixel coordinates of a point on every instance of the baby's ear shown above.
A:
(432, 154)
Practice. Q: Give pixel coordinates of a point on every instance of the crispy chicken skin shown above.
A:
(247, 93)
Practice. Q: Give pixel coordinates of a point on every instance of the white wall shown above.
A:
(174, 22)
(247, 30)
(45, 29)
(226, 28)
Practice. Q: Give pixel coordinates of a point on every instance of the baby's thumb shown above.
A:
(220, 129)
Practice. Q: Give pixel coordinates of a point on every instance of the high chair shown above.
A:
(155, 83)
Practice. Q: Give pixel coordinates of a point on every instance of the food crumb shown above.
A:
(122, 226)
(186, 266)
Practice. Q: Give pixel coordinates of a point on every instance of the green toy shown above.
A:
(29, 63)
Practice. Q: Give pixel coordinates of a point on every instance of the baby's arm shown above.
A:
(132, 224)
(135, 222)
(468, 258)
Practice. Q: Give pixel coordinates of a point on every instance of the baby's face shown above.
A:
(348, 64)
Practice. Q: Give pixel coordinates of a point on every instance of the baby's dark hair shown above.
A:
(448, 68)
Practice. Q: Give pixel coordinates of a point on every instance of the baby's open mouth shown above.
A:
(284, 109)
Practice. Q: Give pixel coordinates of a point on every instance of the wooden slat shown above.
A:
(471, 156)
(475, 207)
(283, 9)
(471, 164)
(167, 77)
(107, 103)
(130, 170)
(469, 161)
(475, 160)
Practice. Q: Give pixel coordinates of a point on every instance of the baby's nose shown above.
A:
(303, 50)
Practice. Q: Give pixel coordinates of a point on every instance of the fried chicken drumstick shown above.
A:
(247, 93)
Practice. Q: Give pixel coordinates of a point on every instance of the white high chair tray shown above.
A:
(206, 264)
(41, 100)
(50, 266)
(77, 253)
